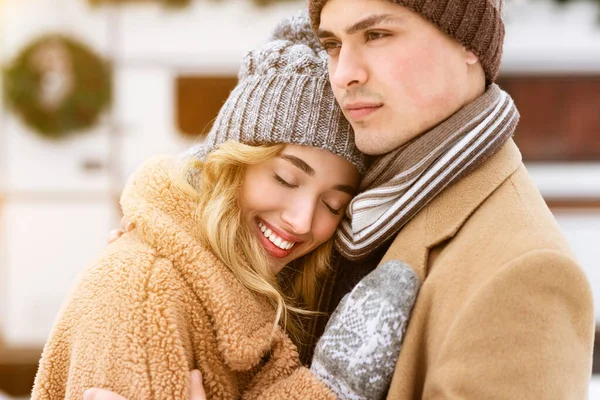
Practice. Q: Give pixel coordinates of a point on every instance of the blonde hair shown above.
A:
(216, 183)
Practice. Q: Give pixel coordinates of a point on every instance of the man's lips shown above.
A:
(359, 111)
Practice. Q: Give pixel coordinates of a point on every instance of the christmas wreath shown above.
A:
(57, 85)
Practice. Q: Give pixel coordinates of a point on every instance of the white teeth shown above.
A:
(273, 238)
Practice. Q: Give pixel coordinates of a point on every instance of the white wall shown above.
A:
(545, 37)
(54, 215)
(582, 230)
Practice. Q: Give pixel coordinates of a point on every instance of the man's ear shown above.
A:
(470, 57)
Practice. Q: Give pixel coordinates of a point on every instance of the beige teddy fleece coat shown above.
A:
(156, 304)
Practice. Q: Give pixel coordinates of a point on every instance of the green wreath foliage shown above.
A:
(90, 95)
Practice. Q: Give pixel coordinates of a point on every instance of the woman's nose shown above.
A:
(299, 217)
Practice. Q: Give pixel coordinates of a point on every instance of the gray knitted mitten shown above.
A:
(357, 354)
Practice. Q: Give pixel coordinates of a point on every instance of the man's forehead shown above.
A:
(333, 19)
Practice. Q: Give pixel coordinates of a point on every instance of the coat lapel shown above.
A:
(441, 219)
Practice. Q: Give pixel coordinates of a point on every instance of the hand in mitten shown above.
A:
(358, 351)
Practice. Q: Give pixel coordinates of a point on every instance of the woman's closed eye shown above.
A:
(284, 182)
(333, 210)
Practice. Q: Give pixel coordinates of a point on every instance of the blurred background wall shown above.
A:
(170, 69)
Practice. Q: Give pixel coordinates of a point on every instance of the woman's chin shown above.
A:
(277, 265)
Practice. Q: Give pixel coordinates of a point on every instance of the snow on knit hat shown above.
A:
(284, 96)
(476, 24)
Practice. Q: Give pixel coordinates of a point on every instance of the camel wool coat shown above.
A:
(156, 304)
(504, 310)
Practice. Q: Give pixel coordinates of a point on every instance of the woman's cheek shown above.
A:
(265, 191)
(326, 228)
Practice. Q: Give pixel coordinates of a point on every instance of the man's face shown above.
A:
(394, 74)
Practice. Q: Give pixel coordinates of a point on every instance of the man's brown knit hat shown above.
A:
(476, 24)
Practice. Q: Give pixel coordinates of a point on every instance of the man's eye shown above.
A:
(374, 36)
(283, 181)
(331, 47)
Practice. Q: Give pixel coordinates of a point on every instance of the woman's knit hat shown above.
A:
(476, 24)
(284, 96)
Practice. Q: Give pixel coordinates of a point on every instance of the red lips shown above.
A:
(270, 247)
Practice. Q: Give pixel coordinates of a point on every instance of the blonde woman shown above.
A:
(230, 245)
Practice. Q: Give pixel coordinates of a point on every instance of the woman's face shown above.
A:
(294, 202)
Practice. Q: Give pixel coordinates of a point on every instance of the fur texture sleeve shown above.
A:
(115, 331)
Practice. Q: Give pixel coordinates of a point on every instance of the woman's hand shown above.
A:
(196, 390)
(101, 394)
(126, 226)
(196, 386)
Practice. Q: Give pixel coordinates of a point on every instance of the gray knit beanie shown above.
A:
(284, 96)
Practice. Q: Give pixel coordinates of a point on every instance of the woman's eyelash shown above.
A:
(332, 210)
(287, 184)
(283, 181)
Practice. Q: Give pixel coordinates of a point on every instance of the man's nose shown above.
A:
(348, 69)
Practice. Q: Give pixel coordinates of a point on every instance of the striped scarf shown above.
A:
(401, 183)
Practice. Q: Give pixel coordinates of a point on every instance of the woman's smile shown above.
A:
(276, 242)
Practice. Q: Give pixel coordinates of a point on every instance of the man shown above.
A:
(503, 311)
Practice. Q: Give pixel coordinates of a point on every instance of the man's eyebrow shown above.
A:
(322, 33)
(346, 189)
(299, 163)
(363, 24)
(372, 20)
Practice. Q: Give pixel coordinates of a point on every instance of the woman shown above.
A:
(229, 246)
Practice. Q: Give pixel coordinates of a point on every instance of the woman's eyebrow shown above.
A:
(299, 163)
(307, 169)
(346, 189)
